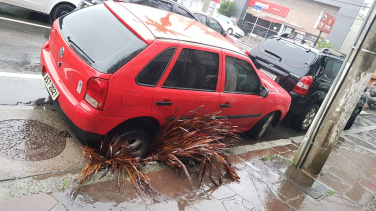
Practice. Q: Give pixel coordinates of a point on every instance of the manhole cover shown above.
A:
(29, 140)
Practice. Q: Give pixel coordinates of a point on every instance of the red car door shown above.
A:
(239, 101)
(189, 82)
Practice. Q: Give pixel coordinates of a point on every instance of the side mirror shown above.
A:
(264, 92)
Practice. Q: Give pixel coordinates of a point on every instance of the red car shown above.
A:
(122, 68)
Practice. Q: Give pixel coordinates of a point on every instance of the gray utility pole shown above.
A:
(340, 101)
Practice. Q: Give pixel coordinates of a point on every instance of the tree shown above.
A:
(227, 8)
(323, 43)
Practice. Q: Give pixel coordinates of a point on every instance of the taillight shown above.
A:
(247, 53)
(302, 87)
(96, 92)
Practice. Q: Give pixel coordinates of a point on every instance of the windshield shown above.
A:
(99, 38)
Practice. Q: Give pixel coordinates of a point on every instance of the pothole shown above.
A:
(30, 140)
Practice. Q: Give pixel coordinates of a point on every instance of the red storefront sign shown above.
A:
(269, 7)
(325, 22)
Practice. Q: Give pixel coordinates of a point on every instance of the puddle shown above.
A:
(29, 140)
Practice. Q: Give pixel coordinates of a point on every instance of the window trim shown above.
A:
(163, 72)
(243, 93)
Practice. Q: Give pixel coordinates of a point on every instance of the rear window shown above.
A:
(288, 53)
(100, 39)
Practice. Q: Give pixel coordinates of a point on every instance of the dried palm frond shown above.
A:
(200, 138)
(114, 155)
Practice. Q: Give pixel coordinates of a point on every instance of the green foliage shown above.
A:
(322, 43)
(227, 8)
(269, 157)
(290, 162)
(65, 182)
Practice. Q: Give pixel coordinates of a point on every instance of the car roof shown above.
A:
(167, 25)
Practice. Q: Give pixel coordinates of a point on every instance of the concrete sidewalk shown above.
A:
(348, 177)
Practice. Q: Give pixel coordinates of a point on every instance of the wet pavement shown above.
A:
(268, 181)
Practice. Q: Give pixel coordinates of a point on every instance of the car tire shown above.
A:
(229, 31)
(304, 120)
(260, 127)
(61, 10)
(352, 118)
(140, 140)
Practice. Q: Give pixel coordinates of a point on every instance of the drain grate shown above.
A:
(30, 140)
(298, 178)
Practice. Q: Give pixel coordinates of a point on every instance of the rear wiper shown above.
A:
(71, 41)
(269, 52)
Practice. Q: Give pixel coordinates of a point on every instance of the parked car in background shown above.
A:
(212, 23)
(128, 83)
(305, 72)
(53, 8)
(244, 25)
(230, 26)
(167, 5)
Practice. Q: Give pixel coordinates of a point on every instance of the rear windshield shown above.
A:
(100, 39)
(288, 53)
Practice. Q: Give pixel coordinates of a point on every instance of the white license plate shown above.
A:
(271, 75)
(50, 87)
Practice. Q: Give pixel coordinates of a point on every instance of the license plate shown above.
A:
(50, 87)
(271, 75)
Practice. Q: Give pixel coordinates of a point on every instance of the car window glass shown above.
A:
(331, 69)
(152, 72)
(240, 77)
(202, 18)
(80, 31)
(288, 53)
(162, 5)
(183, 12)
(194, 69)
(215, 25)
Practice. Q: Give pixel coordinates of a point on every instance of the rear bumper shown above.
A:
(83, 124)
(299, 103)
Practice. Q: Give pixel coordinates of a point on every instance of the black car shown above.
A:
(307, 73)
(167, 5)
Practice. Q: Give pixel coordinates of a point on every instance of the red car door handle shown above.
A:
(225, 105)
(161, 103)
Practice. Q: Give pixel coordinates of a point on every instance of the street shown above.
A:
(25, 105)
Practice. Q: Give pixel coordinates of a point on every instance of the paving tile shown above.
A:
(222, 192)
(337, 202)
(288, 155)
(165, 205)
(333, 183)
(246, 188)
(263, 171)
(170, 184)
(236, 163)
(368, 184)
(269, 200)
(281, 149)
(61, 208)
(286, 191)
(292, 147)
(343, 175)
(306, 203)
(257, 154)
(38, 202)
(359, 195)
(102, 196)
(234, 203)
(211, 204)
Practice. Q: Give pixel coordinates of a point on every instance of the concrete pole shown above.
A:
(340, 100)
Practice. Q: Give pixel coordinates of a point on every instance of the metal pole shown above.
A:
(340, 100)
(254, 24)
(268, 29)
(317, 39)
